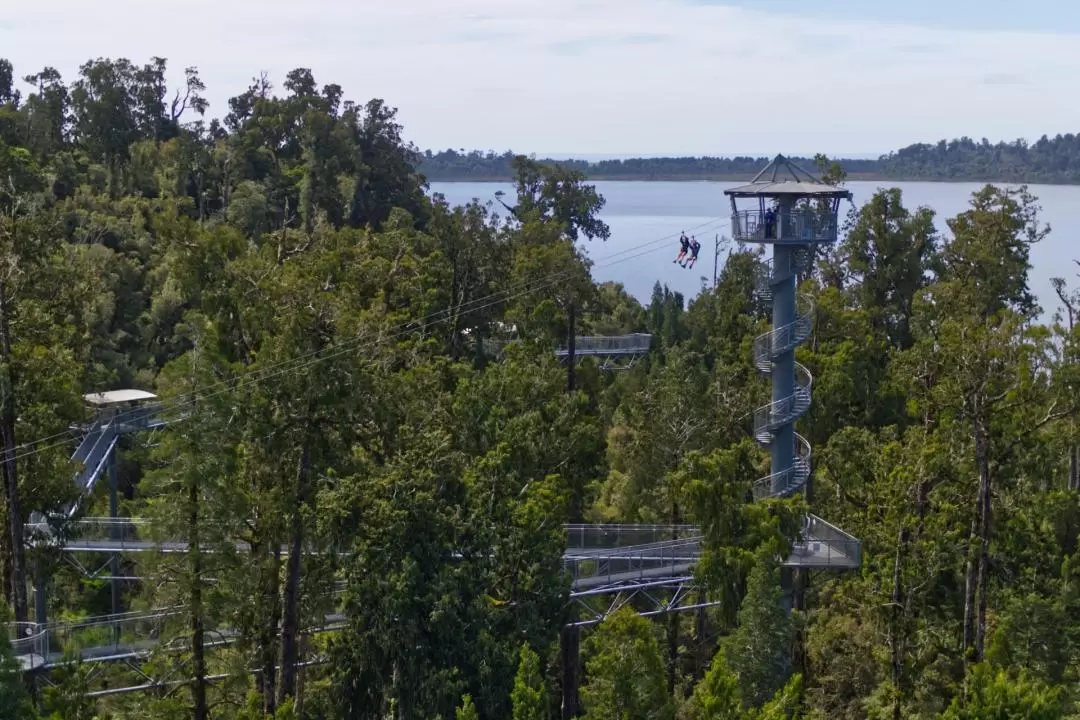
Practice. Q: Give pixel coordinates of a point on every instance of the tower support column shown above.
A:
(783, 370)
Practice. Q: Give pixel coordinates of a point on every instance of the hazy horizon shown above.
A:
(603, 76)
(598, 157)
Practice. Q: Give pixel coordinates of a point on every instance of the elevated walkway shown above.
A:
(615, 549)
(122, 637)
(599, 560)
(614, 352)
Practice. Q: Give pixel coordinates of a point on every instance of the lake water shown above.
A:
(642, 214)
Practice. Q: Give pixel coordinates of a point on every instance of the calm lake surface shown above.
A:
(644, 212)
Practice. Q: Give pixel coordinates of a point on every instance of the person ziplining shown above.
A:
(695, 248)
(684, 244)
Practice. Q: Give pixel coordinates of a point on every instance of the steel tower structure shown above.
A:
(788, 208)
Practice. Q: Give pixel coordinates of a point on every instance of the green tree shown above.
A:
(558, 194)
(759, 651)
(527, 697)
(624, 672)
(189, 500)
(41, 326)
(787, 704)
(889, 253)
(467, 710)
(717, 696)
(975, 323)
(653, 432)
(994, 694)
(736, 531)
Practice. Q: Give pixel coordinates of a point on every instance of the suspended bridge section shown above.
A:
(600, 560)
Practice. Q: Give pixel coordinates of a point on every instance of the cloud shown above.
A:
(484, 36)
(581, 45)
(1003, 79)
(595, 76)
(644, 38)
(920, 48)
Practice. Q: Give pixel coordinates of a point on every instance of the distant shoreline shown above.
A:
(852, 177)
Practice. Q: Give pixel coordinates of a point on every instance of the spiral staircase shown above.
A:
(787, 410)
(820, 544)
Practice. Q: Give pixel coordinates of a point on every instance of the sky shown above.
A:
(614, 77)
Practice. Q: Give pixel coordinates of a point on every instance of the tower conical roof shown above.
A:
(783, 177)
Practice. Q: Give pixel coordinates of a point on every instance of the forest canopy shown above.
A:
(372, 449)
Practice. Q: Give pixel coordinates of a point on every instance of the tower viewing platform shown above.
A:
(787, 205)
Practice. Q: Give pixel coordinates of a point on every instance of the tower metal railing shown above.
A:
(797, 226)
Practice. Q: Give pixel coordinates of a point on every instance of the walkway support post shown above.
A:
(114, 534)
(570, 645)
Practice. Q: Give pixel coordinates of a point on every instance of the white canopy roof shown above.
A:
(112, 397)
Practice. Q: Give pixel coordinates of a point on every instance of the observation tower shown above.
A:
(790, 209)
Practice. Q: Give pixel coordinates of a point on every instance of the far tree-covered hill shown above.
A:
(1049, 160)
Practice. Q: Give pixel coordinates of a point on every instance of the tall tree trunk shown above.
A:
(701, 654)
(15, 547)
(970, 573)
(896, 620)
(976, 567)
(195, 604)
(970, 570)
(8, 587)
(982, 461)
(290, 618)
(454, 321)
(570, 647)
(672, 651)
(268, 630)
(1074, 467)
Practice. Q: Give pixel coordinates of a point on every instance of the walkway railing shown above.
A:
(635, 344)
(583, 537)
(583, 542)
(620, 565)
(829, 544)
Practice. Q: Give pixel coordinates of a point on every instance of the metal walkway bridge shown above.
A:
(618, 352)
(600, 560)
(612, 352)
(608, 551)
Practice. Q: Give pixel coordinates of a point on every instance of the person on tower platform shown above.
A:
(695, 247)
(685, 245)
(770, 223)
